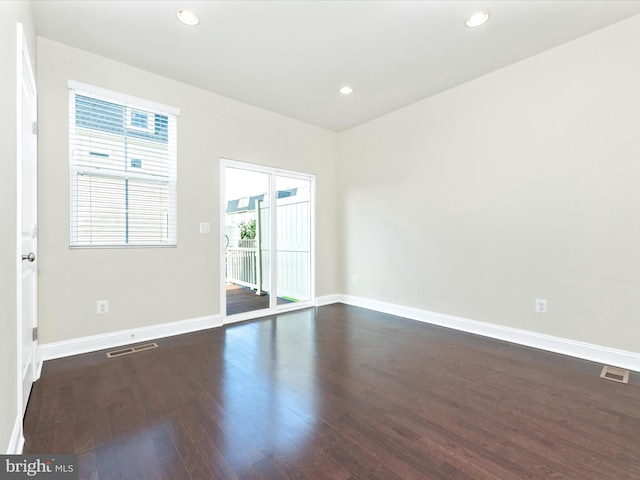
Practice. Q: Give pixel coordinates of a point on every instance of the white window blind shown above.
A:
(122, 170)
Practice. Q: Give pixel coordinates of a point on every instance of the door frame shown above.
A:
(273, 306)
(23, 59)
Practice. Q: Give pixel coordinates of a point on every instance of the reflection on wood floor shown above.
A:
(242, 299)
(335, 392)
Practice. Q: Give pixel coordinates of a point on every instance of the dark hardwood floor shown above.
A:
(336, 392)
(241, 299)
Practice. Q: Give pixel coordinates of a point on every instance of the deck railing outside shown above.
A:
(241, 264)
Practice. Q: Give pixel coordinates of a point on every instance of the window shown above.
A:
(140, 120)
(122, 169)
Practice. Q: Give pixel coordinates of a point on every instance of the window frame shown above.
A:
(130, 103)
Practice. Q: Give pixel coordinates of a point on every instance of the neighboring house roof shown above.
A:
(242, 205)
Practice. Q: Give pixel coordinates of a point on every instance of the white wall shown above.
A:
(10, 13)
(520, 184)
(152, 286)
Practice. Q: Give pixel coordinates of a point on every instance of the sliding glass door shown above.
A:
(267, 238)
(293, 238)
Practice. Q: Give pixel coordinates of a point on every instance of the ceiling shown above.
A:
(291, 57)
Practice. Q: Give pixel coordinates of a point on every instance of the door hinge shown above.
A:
(34, 128)
(34, 334)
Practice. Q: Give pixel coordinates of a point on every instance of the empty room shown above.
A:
(320, 239)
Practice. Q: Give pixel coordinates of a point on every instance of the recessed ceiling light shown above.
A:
(188, 17)
(477, 19)
(346, 90)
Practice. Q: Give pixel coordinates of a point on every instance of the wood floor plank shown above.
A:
(338, 393)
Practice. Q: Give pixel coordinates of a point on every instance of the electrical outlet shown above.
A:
(354, 279)
(541, 305)
(102, 306)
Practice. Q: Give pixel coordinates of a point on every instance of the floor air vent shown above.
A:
(128, 350)
(615, 374)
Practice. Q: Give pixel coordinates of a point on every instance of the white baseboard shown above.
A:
(39, 362)
(38, 367)
(573, 348)
(16, 442)
(76, 346)
(328, 299)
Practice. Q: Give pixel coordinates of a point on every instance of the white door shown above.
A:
(27, 220)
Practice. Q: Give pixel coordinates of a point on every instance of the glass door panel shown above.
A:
(293, 239)
(247, 221)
